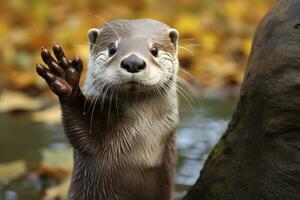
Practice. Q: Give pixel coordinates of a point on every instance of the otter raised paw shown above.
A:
(62, 75)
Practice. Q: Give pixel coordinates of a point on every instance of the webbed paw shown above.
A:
(62, 75)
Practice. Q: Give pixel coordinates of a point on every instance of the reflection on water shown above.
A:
(200, 129)
(21, 139)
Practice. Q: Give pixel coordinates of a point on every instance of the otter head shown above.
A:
(132, 56)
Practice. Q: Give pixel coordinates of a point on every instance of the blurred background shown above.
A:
(215, 41)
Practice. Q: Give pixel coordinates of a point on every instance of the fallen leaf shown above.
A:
(15, 101)
(12, 170)
(58, 192)
(56, 163)
(51, 116)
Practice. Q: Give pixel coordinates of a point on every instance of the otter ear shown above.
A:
(93, 34)
(174, 35)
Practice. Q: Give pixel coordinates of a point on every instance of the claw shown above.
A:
(46, 56)
(41, 70)
(77, 64)
(65, 63)
(58, 52)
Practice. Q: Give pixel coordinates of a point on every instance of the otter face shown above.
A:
(132, 56)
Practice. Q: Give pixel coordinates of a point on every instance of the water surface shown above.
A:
(200, 129)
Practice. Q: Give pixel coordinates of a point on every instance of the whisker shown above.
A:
(188, 101)
(186, 49)
(194, 45)
(92, 115)
(84, 43)
(104, 96)
(186, 93)
(182, 93)
(188, 39)
(186, 89)
(95, 100)
(116, 103)
(110, 102)
(92, 86)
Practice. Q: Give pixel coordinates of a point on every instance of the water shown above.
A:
(21, 139)
(200, 129)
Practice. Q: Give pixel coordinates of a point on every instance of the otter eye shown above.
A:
(154, 51)
(112, 49)
(297, 26)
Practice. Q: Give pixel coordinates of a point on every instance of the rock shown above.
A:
(259, 155)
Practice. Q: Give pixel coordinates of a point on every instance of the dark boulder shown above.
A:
(258, 158)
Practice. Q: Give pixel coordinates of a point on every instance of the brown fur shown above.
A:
(103, 168)
(124, 142)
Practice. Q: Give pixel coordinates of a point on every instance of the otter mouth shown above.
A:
(133, 83)
(134, 87)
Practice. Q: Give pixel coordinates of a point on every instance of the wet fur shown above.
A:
(131, 159)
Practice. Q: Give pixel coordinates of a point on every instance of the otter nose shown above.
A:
(133, 64)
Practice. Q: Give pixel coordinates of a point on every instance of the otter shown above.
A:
(122, 124)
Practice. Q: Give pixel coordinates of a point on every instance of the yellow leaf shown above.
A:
(12, 101)
(247, 44)
(209, 41)
(49, 116)
(188, 25)
(12, 170)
